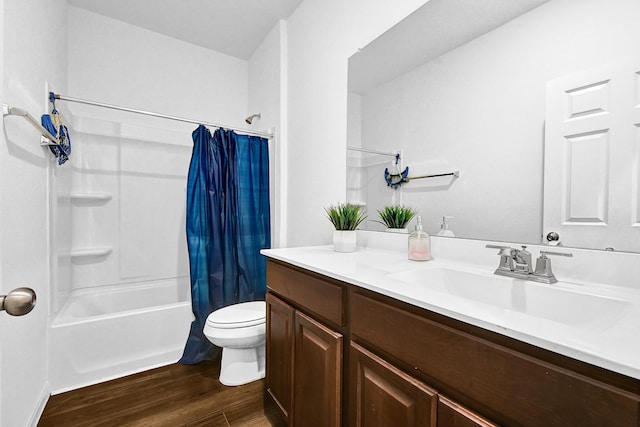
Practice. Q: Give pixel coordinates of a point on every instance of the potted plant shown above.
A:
(396, 217)
(345, 217)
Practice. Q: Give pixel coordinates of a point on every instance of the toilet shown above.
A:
(240, 330)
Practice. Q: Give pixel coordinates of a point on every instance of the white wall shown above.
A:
(321, 35)
(118, 63)
(481, 109)
(267, 96)
(141, 161)
(33, 52)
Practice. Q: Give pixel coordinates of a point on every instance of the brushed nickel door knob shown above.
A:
(18, 302)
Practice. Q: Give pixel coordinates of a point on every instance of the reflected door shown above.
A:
(591, 158)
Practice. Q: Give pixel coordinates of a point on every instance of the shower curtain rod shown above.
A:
(365, 150)
(57, 96)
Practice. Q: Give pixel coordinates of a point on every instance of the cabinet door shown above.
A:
(279, 347)
(381, 395)
(318, 374)
(450, 414)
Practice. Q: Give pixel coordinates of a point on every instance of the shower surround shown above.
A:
(120, 302)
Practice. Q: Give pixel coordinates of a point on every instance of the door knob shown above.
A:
(553, 237)
(18, 302)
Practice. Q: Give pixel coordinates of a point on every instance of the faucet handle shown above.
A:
(567, 254)
(504, 250)
(506, 257)
(543, 266)
(497, 247)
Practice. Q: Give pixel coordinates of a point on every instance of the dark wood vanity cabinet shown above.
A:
(304, 347)
(508, 381)
(406, 366)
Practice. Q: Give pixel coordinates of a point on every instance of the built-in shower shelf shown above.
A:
(91, 251)
(91, 197)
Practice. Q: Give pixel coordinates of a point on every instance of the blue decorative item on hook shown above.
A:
(53, 123)
(395, 178)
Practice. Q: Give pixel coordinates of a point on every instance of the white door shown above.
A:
(591, 158)
(28, 59)
(23, 263)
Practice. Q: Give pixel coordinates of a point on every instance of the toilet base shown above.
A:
(242, 365)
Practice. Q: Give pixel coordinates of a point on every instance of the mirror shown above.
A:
(460, 85)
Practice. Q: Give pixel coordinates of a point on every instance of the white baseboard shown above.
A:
(42, 402)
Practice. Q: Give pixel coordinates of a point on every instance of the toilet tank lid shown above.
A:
(239, 315)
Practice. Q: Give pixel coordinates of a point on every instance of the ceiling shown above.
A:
(232, 27)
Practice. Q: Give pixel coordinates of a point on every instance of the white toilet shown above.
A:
(240, 330)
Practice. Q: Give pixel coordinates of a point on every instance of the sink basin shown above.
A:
(551, 302)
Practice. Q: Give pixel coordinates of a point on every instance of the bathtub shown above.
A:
(108, 332)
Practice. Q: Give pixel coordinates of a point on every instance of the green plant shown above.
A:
(345, 216)
(396, 216)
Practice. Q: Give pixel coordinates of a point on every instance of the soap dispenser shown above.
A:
(444, 228)
(419, 244)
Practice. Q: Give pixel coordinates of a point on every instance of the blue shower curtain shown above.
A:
(228, 223)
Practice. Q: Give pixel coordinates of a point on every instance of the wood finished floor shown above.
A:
(172, 396)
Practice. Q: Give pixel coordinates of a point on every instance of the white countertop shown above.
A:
(613, 344)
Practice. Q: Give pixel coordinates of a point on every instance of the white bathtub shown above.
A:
(109, 332)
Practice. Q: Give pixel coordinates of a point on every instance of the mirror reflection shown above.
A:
(462, 86)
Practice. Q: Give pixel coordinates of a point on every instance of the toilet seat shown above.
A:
(242, 315)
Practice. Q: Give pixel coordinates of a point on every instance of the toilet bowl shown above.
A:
(240, 330)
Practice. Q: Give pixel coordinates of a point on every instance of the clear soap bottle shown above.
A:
(419, 244)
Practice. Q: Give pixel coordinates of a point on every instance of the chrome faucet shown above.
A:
(517, 263)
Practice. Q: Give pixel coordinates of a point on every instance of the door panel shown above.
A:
(450, 414)
(591, 158)
(279, 378)
(318, 374)
(26, 184)
(382, 395)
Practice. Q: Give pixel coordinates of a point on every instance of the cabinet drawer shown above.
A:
(319, 295)
(509, 387)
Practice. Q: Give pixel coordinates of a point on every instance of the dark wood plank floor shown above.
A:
(171, 396)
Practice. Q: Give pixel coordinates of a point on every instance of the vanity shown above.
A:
(372, 339)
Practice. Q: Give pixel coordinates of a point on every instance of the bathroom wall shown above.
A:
(114, 62)
(322, 34)
(267, 95)
(140, 163)
(33, 52)
(319, 35)
(481, 109)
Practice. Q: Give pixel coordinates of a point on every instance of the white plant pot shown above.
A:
(398, 230)
(344, 240)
